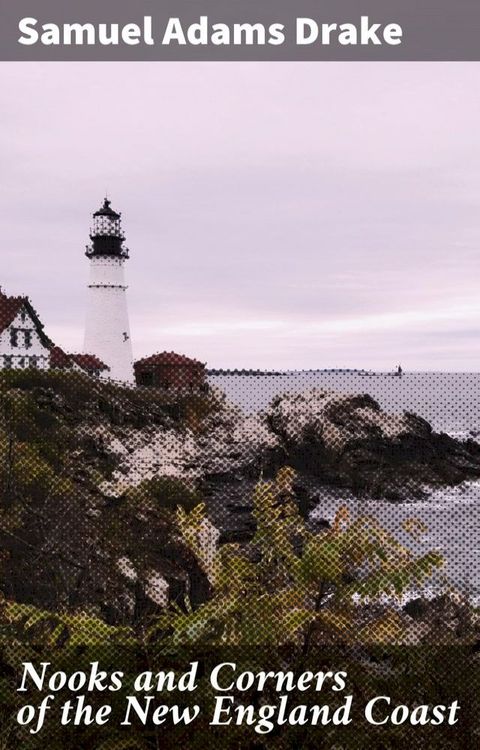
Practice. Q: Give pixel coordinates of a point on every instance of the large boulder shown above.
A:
(234, 445)
(228, 447)
(350, 442)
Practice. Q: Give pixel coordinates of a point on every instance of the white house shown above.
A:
(23, 343)
(107, 345)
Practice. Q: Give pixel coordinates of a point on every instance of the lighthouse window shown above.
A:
(14, 337)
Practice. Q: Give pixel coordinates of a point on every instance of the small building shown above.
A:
(170, 370)
(89, 364)
(23, 343)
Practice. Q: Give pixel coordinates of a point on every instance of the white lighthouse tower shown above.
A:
(107, 332)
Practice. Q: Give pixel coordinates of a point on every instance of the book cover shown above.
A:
(239, 375)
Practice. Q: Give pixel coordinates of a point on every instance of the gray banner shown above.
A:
(430, 30)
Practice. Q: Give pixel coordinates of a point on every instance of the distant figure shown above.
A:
(399, 371)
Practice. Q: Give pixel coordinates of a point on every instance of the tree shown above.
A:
(291, 585)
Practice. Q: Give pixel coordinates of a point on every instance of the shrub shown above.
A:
(166, 493)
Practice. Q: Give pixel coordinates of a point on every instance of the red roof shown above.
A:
(89, 362)
(168, 358)
(59, 359)
(9, 309)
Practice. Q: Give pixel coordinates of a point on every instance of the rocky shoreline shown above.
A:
(120, 461)
(335, 443)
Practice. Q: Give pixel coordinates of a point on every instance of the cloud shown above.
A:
(278, 215)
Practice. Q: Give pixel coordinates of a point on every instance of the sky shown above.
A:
(278, 215)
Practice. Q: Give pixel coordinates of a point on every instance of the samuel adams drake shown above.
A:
(308, 31)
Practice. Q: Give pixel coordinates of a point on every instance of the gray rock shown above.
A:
(349, 442)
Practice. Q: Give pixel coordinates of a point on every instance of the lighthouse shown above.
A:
(107, 332)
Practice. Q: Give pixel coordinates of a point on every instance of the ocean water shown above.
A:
(451, 403)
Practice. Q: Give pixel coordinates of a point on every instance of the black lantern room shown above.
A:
(106, 234)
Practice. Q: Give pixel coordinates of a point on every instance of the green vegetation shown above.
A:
(162, 493)
(290, 585)
(78, 397)
(61, 538)
(285, 601)
(75, 566)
